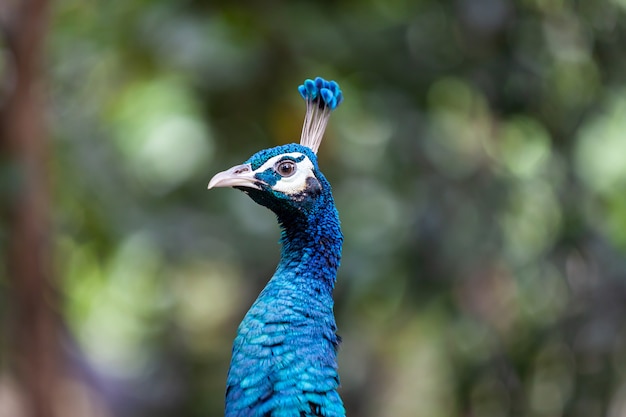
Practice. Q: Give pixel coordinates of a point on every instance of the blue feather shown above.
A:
(311, 89)
(284, 358)
(284, 355)
(303, 91)
(328, 91)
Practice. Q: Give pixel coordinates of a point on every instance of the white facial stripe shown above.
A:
(272, 161)
(295, 183)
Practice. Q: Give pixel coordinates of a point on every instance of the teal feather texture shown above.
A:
(329, 92)
(284, 356)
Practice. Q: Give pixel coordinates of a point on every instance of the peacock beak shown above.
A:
(237, 176)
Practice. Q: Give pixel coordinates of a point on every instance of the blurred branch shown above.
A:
(34, 320)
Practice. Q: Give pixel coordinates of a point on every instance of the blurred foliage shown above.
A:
(479, 168)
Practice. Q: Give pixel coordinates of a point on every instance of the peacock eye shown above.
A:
(286, 168)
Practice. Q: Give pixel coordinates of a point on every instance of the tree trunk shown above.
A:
(34, 304)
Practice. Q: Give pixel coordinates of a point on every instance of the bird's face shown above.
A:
(281, 178)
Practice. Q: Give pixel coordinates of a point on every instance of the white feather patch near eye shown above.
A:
(295, 183)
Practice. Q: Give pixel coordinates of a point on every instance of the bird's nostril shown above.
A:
(241, 170)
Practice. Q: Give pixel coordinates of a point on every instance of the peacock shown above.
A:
(284, 357)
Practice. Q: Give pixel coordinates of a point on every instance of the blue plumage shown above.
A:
(330, 92)
(284, 355)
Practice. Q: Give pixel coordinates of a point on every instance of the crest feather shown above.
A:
(321, 97)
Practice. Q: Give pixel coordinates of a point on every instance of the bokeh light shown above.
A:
(478, 164)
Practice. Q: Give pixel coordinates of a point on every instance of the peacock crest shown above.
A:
(322, 97)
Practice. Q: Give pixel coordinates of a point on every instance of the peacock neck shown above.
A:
(311, 243)
(284, 356)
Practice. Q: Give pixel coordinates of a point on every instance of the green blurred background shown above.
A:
(479, 168)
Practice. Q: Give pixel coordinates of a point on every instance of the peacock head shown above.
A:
(287, 178)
